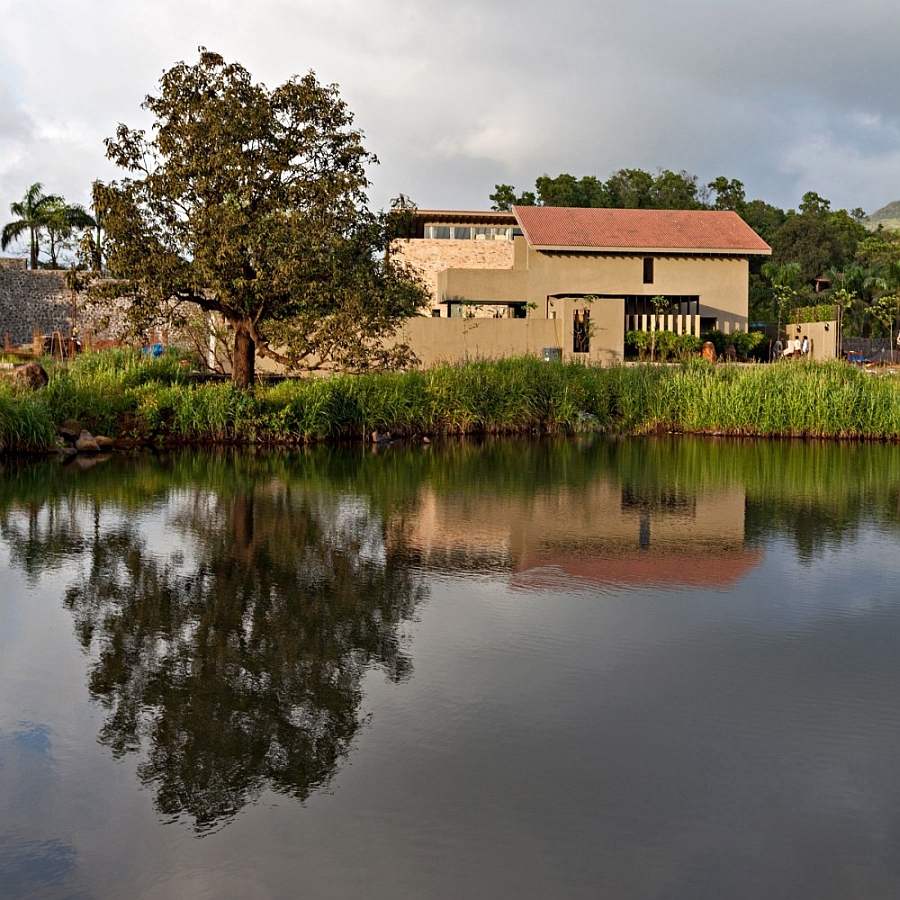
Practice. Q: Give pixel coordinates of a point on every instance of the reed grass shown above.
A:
(127, 396)
(25, 422)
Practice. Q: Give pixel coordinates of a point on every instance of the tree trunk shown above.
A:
(243, 368)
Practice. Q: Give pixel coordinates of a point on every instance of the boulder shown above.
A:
(70, 430)
(708, 352)
(103, 442)
(31, 376)
(86, 443)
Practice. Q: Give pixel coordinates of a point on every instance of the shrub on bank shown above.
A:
(132, 398)
(666, 346)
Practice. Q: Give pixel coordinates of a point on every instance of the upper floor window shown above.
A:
(648, 270)
(468, 232)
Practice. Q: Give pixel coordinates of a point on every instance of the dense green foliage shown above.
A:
(666, 345)
(131, 398)
(625, 189)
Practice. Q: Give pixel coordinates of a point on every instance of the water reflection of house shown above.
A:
(601, 534)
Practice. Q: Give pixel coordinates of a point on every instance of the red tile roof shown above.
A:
(692, 230)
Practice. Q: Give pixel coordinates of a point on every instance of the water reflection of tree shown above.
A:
(240, 670)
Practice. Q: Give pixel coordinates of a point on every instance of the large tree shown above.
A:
(251, 203)
(818, 238)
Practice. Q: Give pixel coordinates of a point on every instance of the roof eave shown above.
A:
(694, 251)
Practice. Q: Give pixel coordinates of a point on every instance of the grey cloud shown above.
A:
(787, 96)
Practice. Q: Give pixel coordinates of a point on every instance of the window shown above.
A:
(468, 232)
(648, 270)
(492, 234)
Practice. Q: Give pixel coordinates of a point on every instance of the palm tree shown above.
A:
(32, 210)
(60, 221)
(91, 245)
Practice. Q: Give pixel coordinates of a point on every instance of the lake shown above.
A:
(643, 668)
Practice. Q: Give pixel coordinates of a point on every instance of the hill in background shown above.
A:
(889, 216)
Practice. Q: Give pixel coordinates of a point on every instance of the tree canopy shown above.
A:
(625, 189)
(251, 203)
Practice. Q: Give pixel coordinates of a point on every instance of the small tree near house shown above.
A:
(660, 304)
(251, 203)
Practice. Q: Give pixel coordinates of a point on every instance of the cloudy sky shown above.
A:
(785, 95)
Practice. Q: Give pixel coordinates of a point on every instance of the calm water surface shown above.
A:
(581, 668)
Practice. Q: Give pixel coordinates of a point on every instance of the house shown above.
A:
(570, 282)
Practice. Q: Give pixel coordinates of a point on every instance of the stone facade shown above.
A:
(431, 256)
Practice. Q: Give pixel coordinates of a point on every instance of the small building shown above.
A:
(573, 281)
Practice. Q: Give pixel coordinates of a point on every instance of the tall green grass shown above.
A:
(25, 422)
(126, 396)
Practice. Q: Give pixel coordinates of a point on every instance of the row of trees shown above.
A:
(819, 254)
(47, 221)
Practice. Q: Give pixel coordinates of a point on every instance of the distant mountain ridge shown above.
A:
(889, 216)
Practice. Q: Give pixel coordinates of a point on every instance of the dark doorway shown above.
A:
(581, 342)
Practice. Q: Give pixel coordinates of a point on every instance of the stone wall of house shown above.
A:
(431, 256)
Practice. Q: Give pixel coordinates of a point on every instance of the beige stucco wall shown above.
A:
(822, 338)
(444, 340)
(429, 257)
(720, 282)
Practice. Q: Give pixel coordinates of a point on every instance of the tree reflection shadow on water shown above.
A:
(235, 660)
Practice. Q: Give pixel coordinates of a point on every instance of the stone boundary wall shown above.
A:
(429, 256)
(31, 299)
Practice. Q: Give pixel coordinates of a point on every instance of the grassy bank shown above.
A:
(131, 398)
